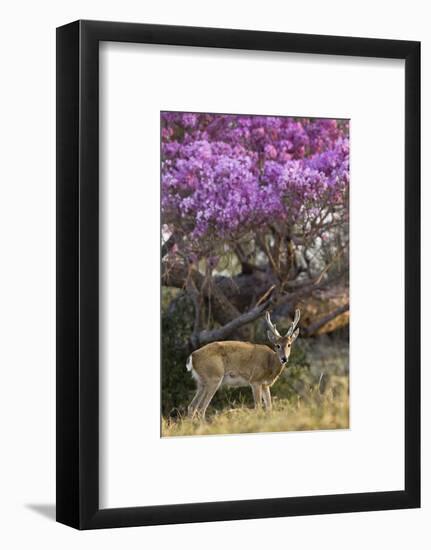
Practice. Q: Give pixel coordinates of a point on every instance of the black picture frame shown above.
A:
(77, 382)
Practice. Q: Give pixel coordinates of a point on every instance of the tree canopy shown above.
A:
(254, 213)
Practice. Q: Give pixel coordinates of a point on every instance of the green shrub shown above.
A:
(177, 384)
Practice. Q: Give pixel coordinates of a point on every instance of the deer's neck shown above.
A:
(277, 365)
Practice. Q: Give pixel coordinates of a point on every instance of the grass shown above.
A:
(314, 408)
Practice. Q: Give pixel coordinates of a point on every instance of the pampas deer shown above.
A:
(234, 363)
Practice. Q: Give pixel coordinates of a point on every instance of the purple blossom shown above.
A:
(223, 175)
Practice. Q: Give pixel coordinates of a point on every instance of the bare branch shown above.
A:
(323, 320)
(246, 266)
(207, 336)
(178, 276)
(267, 295)
(167, 245)
(194, 295)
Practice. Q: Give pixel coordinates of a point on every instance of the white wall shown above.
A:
(27, 352)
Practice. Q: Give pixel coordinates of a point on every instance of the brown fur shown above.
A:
(238, 364)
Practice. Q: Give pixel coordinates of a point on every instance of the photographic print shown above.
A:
(240, 193)
(254, 273)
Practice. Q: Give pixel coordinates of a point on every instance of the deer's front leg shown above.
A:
(266, 394)
(257, 395)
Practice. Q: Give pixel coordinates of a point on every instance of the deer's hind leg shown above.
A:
(197, 399)
(211, 387)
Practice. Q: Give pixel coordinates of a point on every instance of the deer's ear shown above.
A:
(295, 335)
(271, 337)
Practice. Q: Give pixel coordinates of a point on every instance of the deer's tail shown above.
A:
(189, 364)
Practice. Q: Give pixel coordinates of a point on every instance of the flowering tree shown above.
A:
(254, 214)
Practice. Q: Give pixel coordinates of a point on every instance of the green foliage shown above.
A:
(177, 384)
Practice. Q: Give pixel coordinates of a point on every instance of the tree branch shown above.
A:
(179, 276)
(323, 320)
(207, 336)
(167, 245)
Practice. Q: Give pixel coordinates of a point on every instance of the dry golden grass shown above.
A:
(312, 410)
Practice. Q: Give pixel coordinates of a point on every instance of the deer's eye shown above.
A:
(277, 346)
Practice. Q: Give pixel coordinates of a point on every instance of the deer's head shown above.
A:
(283, 344)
